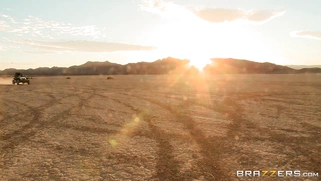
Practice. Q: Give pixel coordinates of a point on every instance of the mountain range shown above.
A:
(303, 66)
(167, 65)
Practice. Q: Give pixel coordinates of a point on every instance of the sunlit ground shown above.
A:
(143, 127)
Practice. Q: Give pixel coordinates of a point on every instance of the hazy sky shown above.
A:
(40, 33)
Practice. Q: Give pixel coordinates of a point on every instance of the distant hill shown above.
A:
(94, 68)
(303, 66)
(161, 66)
(167, 65)
(309, 70)
(236, 66)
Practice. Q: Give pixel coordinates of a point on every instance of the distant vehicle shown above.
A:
(20, 78)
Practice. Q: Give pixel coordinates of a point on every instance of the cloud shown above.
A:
(214, 15)
(165, 9)
(263, 15)
(2, 48)
(41, 52)
(80, 46)
(153, 5)
(4, 26)
(307, 34)
(8, 18)
(38, 28)
(6, 47)
(217, 15)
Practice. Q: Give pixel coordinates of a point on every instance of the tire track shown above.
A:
(214, 106)
(6, 115)
(299, 145)
(211, 148)
(36, 113)
(240, 125)
(308, 147)
(86, 129)
(51, 103)
(167, 167)
(25, 135)
(33, 127)
(211, 154)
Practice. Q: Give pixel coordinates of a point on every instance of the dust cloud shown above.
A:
(5, 81)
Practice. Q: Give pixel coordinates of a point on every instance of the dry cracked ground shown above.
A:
(166, 127)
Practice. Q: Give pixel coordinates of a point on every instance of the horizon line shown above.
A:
(160, 59)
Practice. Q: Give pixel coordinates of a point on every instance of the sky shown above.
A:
(47, 33)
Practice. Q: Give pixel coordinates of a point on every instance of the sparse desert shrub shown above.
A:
(110, 78)
(68, 78)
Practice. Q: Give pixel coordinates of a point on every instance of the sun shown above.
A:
(181, 40)
(199, 63)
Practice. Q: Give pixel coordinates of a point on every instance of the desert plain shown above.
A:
(159, 127)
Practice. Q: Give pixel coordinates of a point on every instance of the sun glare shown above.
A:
(188, 37)
(199, 63)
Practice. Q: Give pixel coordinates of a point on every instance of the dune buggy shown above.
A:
(20, 78)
